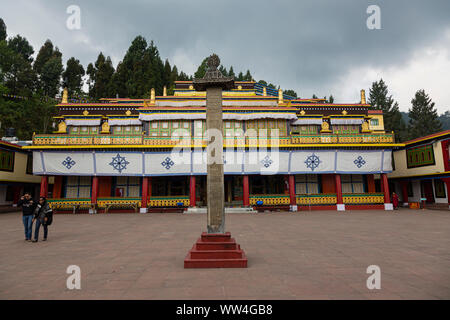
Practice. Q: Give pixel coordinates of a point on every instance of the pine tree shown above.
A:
(291, 93)
(331, 99)
(240, 76)
(48, 66)
(423, 116)
(21, 46)
(231, 72)
(100, 77)
(379, 99)
(201, 70)
(73, 77)
(3, 33)
(248, 76)
(314, 96)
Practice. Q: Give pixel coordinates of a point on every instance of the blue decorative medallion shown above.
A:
(312, 162)
(68, 163)
(119, 163)
(359, 162)
(266, 162)
(167, 163)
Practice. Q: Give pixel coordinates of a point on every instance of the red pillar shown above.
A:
(387, 197)
(340, 200)
(404, 185)
(44, 186)
(144, 195)
(246, 191)
(447, 184)
(192, 191)
(16, 195)
(94, 193)
(292, 198)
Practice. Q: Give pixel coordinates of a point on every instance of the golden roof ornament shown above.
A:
(65, 96)
(85, 112)
(344, 112)
(280, 96)
(264, 91)
(128, 112)
(165, 91)
(152, 95)
(302, 112)
(363, 96)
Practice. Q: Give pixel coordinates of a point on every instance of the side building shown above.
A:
(16, 174)
(422, 171)
(280, 153)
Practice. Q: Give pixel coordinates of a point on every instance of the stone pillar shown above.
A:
(387, 198)
(94, 194)
(213, 83)
(340, 201)
(215, 178)
(245, 191)
(192, 191)
(44, 186)
(144, 196)
(404, 185)
(292, 199)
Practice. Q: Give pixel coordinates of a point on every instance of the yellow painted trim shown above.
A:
(141, 146)
(421, 175)
(429, 138)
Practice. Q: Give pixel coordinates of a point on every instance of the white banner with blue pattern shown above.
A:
(194, 163)
(118, 163)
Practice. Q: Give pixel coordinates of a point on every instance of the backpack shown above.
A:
(49, 218)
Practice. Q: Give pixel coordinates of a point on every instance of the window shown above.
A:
(439, 188)
(84, 130)
(352, 183)
(186, 125)
(374, 122)
(420, 156)
(175, 125)
(7, 160)
(165, 125)
(94, 130)
(410, 189)
(30, 164)
(154, 125)
(307, 184)
(74, 130)
(78, 187)
(129, 186)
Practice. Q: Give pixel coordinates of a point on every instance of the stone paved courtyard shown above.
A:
(312, 255)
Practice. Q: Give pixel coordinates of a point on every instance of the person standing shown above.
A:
(395, 200)
(28, 205)
(43, 216)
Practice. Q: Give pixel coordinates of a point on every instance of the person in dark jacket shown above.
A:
(28, 205)
(41, 215)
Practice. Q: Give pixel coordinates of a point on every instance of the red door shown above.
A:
(427, 190)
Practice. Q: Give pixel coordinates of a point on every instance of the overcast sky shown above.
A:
(312, 46)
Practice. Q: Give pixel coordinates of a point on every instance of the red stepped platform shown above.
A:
(216, 250)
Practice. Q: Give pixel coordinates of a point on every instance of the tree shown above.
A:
(231, 72)
(379, 99)
(21, 46)
(314, 96)
(3, 33)
(248, 76)
(73, 76)
(201, 70)
(240, 76)
(100, 77)
(291, 93)
(445, 120)
(48, 66)
(423, 116)
(331, 99)
(16, 72)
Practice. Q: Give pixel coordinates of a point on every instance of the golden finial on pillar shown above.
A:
(152, 95)
(280, 96)
(363, 96)
(264, 91)
(65, 96)
(164, 91)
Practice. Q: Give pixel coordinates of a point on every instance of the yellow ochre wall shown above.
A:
(20, 171)
(401, 169)
(380, 126)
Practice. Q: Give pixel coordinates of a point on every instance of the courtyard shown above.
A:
(304, 255)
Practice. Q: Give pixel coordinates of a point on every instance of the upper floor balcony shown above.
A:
(141, 140)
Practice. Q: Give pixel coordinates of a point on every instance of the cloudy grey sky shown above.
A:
(311, 46)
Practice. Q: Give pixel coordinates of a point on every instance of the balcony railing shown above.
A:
(100, 140)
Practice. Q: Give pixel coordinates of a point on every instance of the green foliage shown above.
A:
(331, 99)
(393, 121)
(73, 77)
(445, 120)
(3, 33)
(100, 77)
(423, 117)
(21, 46)
(49, 67)
(290, 92)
